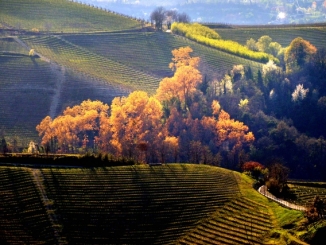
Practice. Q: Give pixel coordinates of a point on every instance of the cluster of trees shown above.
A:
(284, 106)
(160, 16)
(207, 36)
(178, 123)
(274, 176)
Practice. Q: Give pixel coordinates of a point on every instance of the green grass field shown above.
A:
(167, 204)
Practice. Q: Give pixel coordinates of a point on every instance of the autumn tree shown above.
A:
(135, 120)
(185, 80)
(298, 54)
(277, 178)
(182, 57)
(170, 149)
(76, 125)
(232, 135)
(255, 169)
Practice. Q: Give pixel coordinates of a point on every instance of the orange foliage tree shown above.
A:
(74, 126)
(136, 126)
(135, 120)
(185, 80)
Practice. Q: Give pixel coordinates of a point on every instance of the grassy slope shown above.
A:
(315, 34)
(61, 16)
(141, 204)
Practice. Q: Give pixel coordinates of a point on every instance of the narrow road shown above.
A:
(264, 191)
(60, 73)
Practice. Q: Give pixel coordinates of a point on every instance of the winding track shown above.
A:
(264, 191)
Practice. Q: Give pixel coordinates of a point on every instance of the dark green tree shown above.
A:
(277, 178)
(4, 146)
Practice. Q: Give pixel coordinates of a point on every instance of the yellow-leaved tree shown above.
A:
(185, 80)
(76, 125)
(135, 123)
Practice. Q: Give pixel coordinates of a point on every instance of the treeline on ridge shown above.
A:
(85, 160)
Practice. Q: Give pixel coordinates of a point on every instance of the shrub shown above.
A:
(255, 169)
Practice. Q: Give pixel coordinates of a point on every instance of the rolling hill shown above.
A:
(61, 16)
(81, 66)
(283, 34)
(168, 204)
(108, 55)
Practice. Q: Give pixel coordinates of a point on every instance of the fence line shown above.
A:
(264, 191)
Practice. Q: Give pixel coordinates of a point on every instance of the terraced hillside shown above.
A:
(305, 192)
(23, 217)
(136, 205)
(86, 62)
(60, 16)
(315, 34)
(167, 204)
(26, 89)
(151, 52)
(133, 205)
(31, 89)
(246, 222)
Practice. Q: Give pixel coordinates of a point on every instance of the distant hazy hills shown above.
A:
(225, 11)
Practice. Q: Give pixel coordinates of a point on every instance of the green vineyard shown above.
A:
(29, 86)
(151, 52)
(81, 60)
(315, 34)
(245, 220)
(24, 81)
(132, 205)
(61, 16)
(305, 192)
(139, 204)
(23, 218)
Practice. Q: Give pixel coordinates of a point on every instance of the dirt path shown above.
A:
(264, 191)
(48, 204)
(28, 49)
(59, 72)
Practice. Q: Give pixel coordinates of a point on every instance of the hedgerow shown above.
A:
(201, 34)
